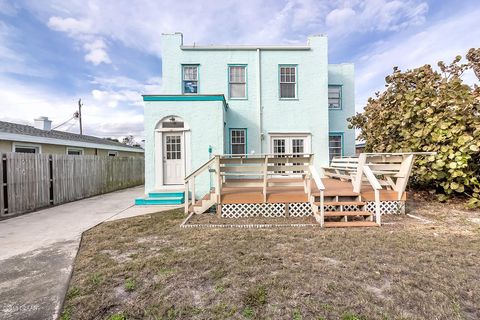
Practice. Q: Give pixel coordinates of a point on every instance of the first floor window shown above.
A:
(335, 97)
(113, 153)
(26, 149)
(237, 82)
(190, 79)
(238, 141)
(74, 151)
(335, 146)
(288, 82)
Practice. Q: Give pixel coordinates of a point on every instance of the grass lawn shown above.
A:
(149, 268)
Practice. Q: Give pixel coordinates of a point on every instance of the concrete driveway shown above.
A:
(37, 251)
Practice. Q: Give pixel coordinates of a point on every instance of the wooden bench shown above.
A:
(342, 168)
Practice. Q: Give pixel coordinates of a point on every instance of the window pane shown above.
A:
(190, 73)
(237, 90)
(334, 97)
(297, 146)
(335, 146)
(238, 149)
(26, 149)
(238, 141)
(190, 87)
(278, 145)
(287, 90)
(237, 74)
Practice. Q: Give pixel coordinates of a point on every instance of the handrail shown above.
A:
(371, 178)
(420, 153)
(316, 177)
(376, 187)
(262, 155)
(201, 169)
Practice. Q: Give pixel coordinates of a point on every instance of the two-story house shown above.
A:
(244, 99)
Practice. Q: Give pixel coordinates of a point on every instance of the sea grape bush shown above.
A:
(430, 110)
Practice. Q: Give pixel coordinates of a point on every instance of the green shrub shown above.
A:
(426, 110)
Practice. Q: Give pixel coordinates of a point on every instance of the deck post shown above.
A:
(218, 187)
(378, 214)
(322, 208)
(193, 190)
(186, 197)
(357, 183)
(265, 174)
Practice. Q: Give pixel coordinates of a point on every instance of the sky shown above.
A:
(108, 52)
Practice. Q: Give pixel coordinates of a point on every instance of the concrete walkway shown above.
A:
(37, 251)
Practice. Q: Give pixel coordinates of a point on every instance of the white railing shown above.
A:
(321, 188)
(254, 170)
(376, 188)
(190, 180)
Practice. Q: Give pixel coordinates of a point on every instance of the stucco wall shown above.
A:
(343, 74)
(205, 120)
(308, 113)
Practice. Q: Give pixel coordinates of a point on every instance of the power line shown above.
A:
(63, 123)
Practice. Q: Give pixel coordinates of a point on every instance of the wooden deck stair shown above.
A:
(344, 209)
(350, 224)
(203, 204)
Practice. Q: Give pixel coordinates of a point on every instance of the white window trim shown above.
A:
(245, 139)
(110, 152)
(230, 83)
(26, 145)
(291, 135)
(82, 151)
(280, 81)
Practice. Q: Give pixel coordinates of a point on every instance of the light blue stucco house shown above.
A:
(242, 99)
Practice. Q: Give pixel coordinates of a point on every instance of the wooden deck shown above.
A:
(354, 191)
(280, 194)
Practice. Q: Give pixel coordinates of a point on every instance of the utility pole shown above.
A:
(80, 115)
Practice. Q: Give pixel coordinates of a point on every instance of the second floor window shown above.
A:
(190, 79)
(288, 82)
(334, 97)
(237, 82)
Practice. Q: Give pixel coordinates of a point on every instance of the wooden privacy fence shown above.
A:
(33, 181)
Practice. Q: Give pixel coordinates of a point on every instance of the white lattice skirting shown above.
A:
(245, 210)
(387, 207)
(300, 209)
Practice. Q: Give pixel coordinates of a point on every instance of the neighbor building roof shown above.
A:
(25, 133)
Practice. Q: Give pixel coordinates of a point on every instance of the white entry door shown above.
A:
(173, 158)
(288, 145)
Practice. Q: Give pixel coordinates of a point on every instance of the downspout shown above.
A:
(259, 98)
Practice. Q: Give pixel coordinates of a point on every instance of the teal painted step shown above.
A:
(159, 198)
(166, 194)
(158, 201)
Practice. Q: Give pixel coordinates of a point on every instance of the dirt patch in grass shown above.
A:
(149, 268)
